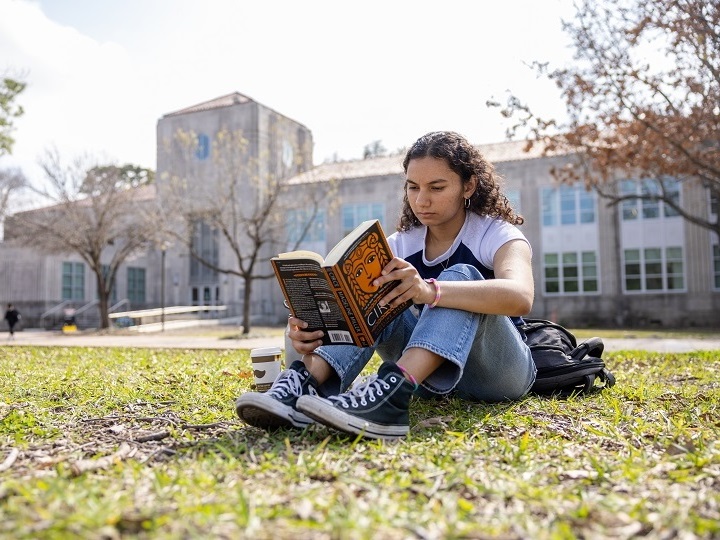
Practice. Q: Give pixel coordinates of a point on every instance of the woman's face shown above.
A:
(435, 192)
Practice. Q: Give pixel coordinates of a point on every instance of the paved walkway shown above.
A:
(179, 340)
(157, 340)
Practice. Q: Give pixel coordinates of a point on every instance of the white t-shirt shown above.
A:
(476, 244)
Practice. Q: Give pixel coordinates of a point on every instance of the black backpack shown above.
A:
(563, 366)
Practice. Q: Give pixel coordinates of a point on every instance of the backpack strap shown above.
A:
(589, 383)
(592, 347)
(604, 376)
(607, 377)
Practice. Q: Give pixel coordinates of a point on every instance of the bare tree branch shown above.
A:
(11, 182)
(244, 200)
(96, 212)
(642, 97)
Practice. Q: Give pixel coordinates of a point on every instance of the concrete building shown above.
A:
(223, 155)
(633, 265)
(43, 287)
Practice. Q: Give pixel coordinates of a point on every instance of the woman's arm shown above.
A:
(510, 293)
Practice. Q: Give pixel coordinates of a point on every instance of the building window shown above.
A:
(675, 269)
(589, 271)
(716, 265)
(570, 273)
(205, 244)
(73, 281)
(654, 270)
(714, 204)
(202, 150)
(567, 205)
(634, 209)
(354, 214)
(203, 296)
(136, 285)
(297, 223)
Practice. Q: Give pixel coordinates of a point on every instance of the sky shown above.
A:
(101, 73)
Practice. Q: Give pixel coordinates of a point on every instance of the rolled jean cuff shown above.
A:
(445, 377)
(331, 387)
(338, 381)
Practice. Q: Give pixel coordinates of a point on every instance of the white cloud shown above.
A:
(82, 95)
(101, 74)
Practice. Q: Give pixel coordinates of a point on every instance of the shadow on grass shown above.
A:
(429, 419)
(155, 434)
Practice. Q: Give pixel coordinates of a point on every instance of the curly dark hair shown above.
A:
(465, 160)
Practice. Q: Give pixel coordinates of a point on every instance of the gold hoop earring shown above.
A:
(467, 203)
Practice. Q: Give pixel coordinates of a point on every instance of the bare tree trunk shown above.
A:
(103, 307)
(104, 315)
(246, 306)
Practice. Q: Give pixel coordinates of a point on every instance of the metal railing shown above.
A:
(55, 308)
(170, 310)
(123, 302)
(87, 306)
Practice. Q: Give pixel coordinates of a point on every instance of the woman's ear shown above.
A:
(470, 187)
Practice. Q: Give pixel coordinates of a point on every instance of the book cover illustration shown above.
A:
(346, 306)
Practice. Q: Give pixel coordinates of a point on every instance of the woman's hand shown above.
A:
(411, 286)
(303, 342)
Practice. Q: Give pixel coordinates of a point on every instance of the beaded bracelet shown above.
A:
(408, 375)
(437, 292)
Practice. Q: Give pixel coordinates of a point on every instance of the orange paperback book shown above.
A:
(335, 294)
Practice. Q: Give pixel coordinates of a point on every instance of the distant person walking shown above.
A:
(12, 316)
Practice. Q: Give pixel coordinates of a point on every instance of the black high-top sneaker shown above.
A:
(276, 407)
(376, 407)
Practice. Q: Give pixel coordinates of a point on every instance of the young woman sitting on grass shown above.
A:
(466, 266)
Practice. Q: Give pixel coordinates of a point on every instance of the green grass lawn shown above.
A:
(140, 443)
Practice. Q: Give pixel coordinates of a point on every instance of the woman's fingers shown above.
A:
(303, 342)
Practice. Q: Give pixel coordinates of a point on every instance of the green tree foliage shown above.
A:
(106, 178)
(642, 97)
(9, 110)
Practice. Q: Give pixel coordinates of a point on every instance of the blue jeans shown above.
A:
(486, 357)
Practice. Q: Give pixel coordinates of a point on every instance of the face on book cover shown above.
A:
(366, 264)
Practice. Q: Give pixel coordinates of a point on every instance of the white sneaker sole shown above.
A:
(263, 411)
(324, 412)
